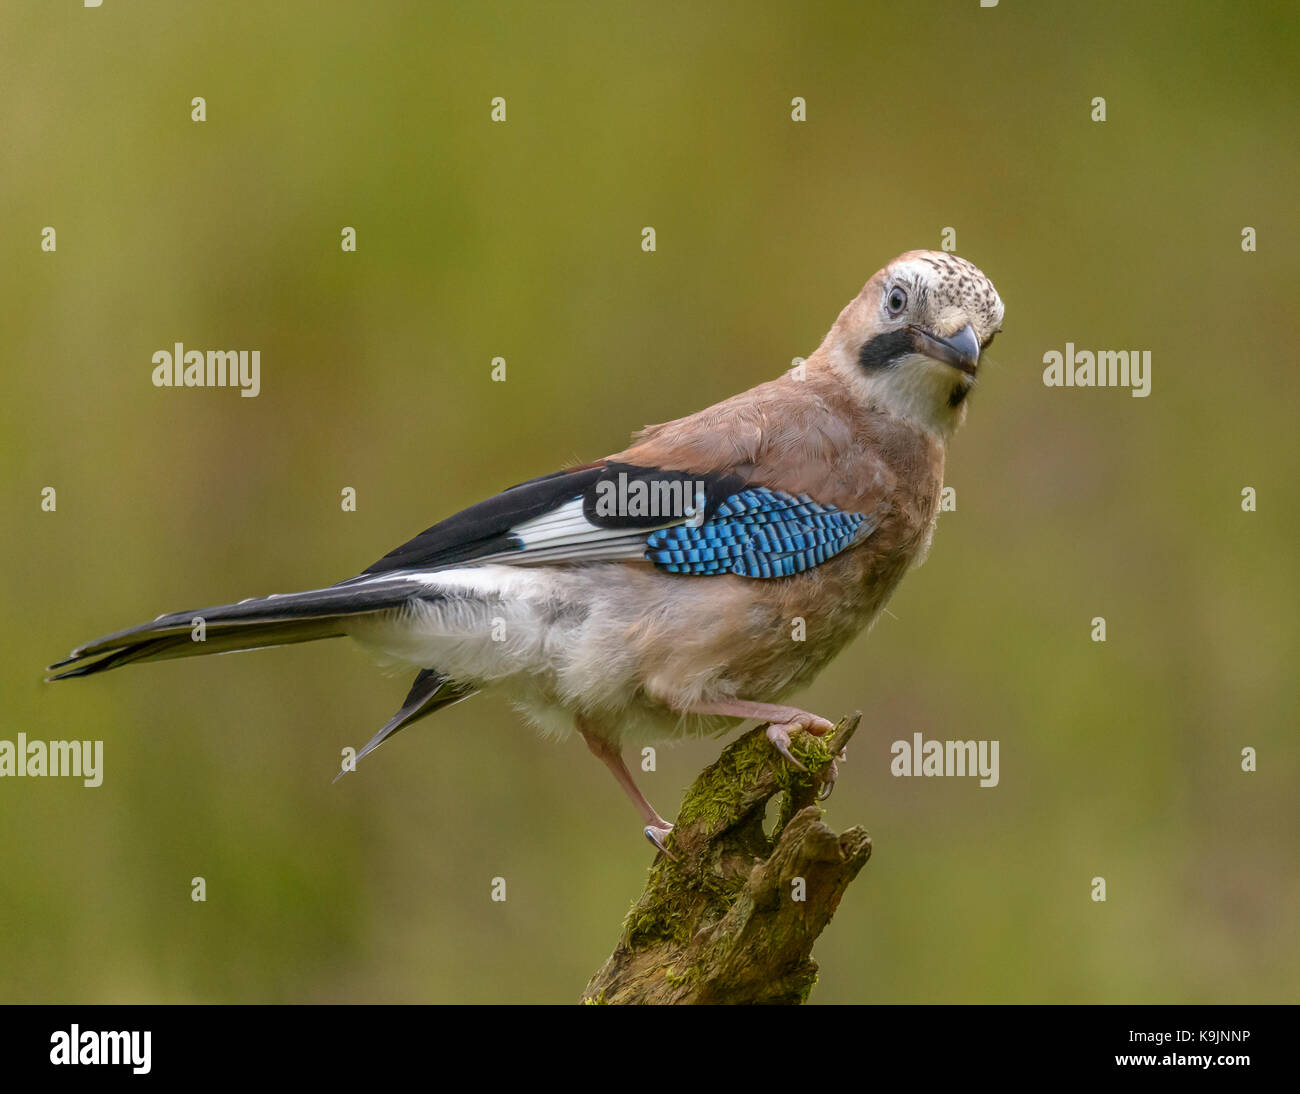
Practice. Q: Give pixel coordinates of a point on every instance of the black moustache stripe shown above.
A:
(884, 350)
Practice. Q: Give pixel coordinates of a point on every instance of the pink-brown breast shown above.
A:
(741, 637)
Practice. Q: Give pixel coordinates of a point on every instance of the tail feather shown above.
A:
(256, 623)
(431, 691)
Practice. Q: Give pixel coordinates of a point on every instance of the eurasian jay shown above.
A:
(656, 593)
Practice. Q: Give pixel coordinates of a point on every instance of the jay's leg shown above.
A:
(782, 721)
(656, 828)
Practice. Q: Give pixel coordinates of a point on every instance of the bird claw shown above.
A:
(658, 835)
(828, 781)
(779, 735)
(832, 773)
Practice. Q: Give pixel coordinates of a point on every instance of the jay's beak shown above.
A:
(961, 350)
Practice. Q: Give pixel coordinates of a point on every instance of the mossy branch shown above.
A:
(733, 917)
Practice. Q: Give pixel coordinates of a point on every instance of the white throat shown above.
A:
(919, 390)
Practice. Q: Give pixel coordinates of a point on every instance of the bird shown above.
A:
(702, 575)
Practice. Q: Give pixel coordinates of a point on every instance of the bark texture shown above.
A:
(733, 917)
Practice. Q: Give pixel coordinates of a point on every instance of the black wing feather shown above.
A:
(486, 529)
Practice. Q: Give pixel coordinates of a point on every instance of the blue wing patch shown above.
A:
(759, 533)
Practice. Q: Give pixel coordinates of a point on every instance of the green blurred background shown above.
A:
(522, 240)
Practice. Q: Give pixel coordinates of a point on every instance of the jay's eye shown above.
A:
(897, 301)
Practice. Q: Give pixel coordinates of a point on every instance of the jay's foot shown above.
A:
(657, 833)
(782, 721)
(831, 773)
(778, 732)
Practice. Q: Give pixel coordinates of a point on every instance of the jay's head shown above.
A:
(910, 342)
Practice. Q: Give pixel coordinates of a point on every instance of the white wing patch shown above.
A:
(566, 534)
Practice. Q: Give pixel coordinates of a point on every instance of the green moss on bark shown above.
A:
(715, 922)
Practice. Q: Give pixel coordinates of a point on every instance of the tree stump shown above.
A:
(732, 918)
